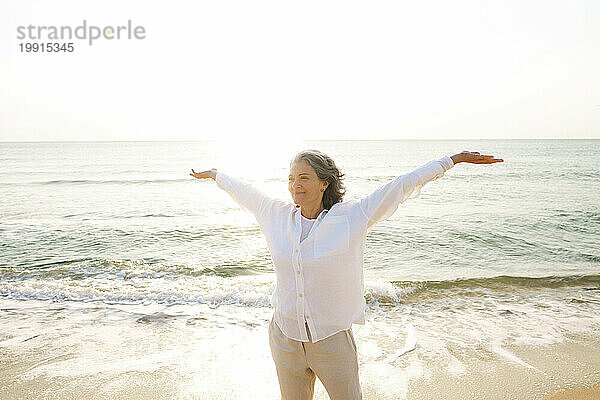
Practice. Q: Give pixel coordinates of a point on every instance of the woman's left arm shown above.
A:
(383, 202)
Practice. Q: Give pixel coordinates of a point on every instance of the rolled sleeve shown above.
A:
(447, 162)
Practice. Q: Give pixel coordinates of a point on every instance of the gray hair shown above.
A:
(326, 170)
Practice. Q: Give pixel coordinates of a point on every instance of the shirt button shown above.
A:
(298, 272)
(295, 251)
(307, 317)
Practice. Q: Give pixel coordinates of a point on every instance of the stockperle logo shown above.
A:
(89, 33)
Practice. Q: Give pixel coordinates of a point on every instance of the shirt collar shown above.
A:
(299, 214)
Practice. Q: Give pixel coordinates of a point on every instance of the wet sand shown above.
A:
(525, 373)
(589, 393)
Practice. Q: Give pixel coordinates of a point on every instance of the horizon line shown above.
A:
(303, 140)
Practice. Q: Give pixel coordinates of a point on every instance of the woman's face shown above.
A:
(304, 185)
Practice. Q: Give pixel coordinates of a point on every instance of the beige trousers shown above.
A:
(333, 360)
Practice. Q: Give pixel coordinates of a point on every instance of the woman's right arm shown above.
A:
(246, 195)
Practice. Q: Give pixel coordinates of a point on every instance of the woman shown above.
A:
(317, 247)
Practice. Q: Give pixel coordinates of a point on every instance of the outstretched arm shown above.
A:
(246, 195)
(384, 201)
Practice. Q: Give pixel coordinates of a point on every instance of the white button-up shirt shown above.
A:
(320, 279)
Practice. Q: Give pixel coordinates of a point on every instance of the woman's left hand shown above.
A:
(474, 157)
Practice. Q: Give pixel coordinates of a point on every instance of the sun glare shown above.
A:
(256, 159)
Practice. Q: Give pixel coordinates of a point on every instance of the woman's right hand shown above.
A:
(211, 173)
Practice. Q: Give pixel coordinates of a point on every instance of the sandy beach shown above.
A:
(588, 393)
(525, 372)
(99, 352)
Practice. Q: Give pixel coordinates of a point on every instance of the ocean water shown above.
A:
(97, 237)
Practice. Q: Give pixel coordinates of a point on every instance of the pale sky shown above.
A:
(266, 70)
